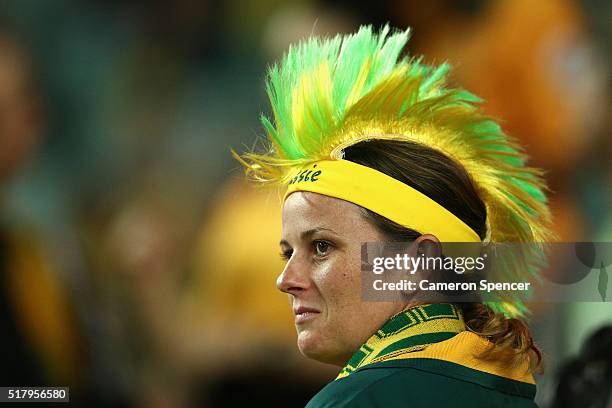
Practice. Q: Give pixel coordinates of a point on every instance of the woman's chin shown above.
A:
(313, 346)
(308, 342)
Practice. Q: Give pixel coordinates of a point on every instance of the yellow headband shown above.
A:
(382, 194)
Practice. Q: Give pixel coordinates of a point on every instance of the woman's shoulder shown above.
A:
(423, 383)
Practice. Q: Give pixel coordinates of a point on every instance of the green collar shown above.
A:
(410, 330)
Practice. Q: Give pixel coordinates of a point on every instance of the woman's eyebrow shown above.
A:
(307, 234)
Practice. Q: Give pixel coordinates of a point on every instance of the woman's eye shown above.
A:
(286, 255)
(322, 248)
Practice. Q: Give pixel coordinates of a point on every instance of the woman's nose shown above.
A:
(294, 278)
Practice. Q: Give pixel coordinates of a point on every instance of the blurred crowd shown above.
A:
(135, 264)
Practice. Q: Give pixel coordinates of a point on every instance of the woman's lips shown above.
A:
(304, 314)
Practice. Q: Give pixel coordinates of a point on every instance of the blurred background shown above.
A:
(135, 264)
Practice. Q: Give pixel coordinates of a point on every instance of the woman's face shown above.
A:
(321, 241)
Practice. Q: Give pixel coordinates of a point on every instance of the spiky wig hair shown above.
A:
(328, 94)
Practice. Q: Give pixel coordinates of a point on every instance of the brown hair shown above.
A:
(446, 182)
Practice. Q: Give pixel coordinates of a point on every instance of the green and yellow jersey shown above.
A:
(425, 357)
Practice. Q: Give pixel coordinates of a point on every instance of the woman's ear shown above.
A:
(424, 247)
(428, 246)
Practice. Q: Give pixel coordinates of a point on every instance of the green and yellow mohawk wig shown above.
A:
(328, 94)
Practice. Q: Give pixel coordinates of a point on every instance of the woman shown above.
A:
(374, 148)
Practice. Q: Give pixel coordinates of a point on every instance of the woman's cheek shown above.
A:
(342, 292)
(332, 281)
